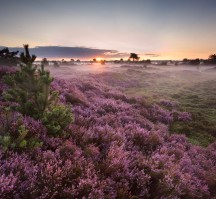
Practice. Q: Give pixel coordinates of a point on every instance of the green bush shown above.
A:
(30, 89)
(18, 132)
(20, 142)
(56, 119)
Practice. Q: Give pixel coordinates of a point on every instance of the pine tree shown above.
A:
(30, 87)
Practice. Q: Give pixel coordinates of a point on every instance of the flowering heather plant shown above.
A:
(184, 116)
(168, 103)
(117, 147)
(6, 70)
(19, 133)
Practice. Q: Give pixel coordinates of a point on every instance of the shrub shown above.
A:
(18, 132)
(56, 119)
(30, 89)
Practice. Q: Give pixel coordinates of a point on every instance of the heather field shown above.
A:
(112, 132)
(111, 99)
(191, 88)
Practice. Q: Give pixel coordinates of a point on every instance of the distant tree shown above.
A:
(134, 56)
(55, 63)
(64, 62)
(8, 58)
(44, 62)
(94, 60)
(77, 60)
(121, 60)
(102, 62)
(194, 62)
(185, 60)
(72, 61)
(163, 63)
(148, 61)
(212, 57)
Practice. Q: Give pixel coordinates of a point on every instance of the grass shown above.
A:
(195, 93)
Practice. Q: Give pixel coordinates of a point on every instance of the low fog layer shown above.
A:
(184, 71)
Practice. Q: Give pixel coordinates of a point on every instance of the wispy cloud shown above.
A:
(152, 55)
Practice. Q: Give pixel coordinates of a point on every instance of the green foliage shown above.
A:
(17, 136)
(56, 119)
(30, 87)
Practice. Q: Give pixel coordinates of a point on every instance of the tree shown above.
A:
(55, 63)
(148, 61)
(8, 58)
(194, 62)
(102, 62)
(134, 56)
(63, 61)
(44, 62)
(212, 57)
(30, 87)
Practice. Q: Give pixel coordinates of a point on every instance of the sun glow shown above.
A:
(98, 59)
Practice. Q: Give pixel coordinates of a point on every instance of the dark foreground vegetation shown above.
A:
(86, 138)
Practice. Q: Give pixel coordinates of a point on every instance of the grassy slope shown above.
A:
(195, 92)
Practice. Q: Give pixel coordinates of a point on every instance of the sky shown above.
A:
(154, 29)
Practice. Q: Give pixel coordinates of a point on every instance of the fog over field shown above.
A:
(67, 71)
(192, 87)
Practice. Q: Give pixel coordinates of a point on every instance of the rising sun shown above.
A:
(98, 58)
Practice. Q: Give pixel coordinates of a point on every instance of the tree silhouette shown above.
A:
(212, 57)
(102, 62)
(134, 56)
(45, 62)
(148, 61)
(55, 63)
(194, 61)
(8, 58)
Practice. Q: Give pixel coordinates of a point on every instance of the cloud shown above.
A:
(152, 55)
(72, 52)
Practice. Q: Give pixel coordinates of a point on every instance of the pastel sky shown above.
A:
(172, 29)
